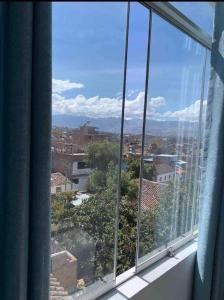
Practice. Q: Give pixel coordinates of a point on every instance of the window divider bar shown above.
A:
(117, 208)
(179, 20)
(143, 137)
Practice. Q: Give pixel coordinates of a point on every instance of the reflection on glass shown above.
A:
(170, 174)
(201, 13)
(203, 147)
(132, 140)
(88, 47)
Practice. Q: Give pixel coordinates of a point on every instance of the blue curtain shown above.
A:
(25, 131)
(209, 270)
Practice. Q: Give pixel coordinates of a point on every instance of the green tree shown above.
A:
(91, 225)
(149, 171)
(99, 155)
(133, 165)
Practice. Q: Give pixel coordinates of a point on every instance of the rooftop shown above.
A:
(58, 179)
(151, 193)
(164, 169)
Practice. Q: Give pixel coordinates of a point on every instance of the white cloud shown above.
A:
(190, 113)
(104, 107)
(130, 93)
(157, 101)
(60, 86)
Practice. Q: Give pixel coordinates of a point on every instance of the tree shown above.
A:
(99, 155)
(133, 165)
(149, 171)
(91, 225)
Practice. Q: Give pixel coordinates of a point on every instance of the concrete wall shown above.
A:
(82, 185)
(64, 188)
(168, 279)
(165, 177)
(62, 163)
(176, 284)
(76, 171)
(64, 268)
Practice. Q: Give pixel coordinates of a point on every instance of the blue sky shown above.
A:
(88, 59)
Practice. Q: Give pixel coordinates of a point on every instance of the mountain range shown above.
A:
(134, 126)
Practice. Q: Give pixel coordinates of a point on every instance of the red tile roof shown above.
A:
(151, 193)
(58, 179)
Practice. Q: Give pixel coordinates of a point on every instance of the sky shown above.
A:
(88, 60)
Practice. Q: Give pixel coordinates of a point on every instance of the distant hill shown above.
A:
(158, 128)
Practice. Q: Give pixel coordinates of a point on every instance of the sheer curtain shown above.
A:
(209, 270)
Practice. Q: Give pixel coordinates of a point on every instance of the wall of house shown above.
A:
(62, 163)
(64, 188)
(64, 268)
(82, 184)
(76, 171)
(165, 177)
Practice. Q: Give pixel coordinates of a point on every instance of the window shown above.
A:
(129, 105)
(177, 75)
(58, 189)
(88, 56)
(82, 165)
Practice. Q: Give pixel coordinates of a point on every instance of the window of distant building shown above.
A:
(82, 165)
(76, 181)
(58, 189)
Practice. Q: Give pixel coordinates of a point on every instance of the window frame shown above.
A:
(58, 189)
(173, 16)
(166, 11)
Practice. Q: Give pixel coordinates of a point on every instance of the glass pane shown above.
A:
(170, 171)
(132, 140)
(201, 13)
(88, 49)
(202, 154)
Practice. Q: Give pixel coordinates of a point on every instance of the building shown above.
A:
(87, 134)
(72, 166)
(64, 269)
(80, 173)
(164, 172)
(60, 183)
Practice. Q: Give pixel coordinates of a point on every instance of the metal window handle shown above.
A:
(171, 252)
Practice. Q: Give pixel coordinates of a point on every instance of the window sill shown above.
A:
(138, 284)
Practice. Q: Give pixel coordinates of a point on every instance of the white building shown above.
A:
(164, 173)
(80, 173)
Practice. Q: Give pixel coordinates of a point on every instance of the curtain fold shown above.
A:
(209, 269)
(25, 136)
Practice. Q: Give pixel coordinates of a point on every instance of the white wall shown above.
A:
(176, 284)
(76, 171)
(64, 188)
(166, 175)
(82, 185)
(169, 279)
